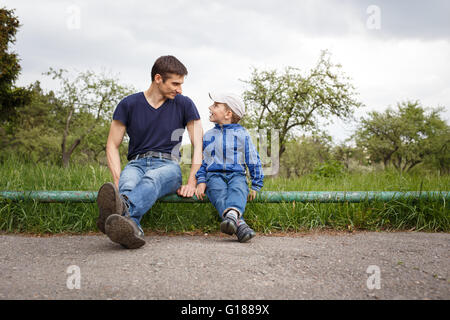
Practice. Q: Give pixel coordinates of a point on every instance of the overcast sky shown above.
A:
(392, 50)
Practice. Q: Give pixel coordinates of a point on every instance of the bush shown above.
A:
(329, 169)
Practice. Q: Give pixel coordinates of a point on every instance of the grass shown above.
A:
(41, 218)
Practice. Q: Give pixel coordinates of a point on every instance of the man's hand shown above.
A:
(251, 195)
(200, 191)
(186, 190)
(195, 131)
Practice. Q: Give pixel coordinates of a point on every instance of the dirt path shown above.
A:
(363, 265)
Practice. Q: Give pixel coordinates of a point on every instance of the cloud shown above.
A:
(219, 41)
(406, 19)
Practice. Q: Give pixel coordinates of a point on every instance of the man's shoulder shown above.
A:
(183, 100)
(131, 99)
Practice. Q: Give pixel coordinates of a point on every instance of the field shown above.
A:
(43, 218)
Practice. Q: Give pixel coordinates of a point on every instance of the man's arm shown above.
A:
(195, 131)
(115, 137)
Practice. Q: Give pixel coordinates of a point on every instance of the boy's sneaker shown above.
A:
(229, 224)
(125, 231)
(109, 202)
(244, 232)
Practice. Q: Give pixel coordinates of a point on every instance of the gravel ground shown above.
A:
(318, 265)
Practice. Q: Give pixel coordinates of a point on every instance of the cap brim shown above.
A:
(216, 97)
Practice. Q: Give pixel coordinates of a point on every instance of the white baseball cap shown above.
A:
(233, 101)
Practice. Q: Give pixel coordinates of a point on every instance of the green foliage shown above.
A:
(351, 157)
(11, 98)
(88, 101)
(303, 154)
(405, 137)
(35, 131)
(44, 125)
(329, 169)
(291, 101)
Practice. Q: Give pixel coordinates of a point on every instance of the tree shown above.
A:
(304, 153)
(36, 127)
(290, 100)
(350, 156)
(404, 137)
(88, 101)
(379, 135)
(11, 97)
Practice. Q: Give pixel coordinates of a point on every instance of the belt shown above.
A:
(155, 154)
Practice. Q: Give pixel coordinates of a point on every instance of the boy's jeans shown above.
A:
(227, 190)
(145, 180)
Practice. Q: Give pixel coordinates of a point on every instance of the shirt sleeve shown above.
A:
(190, 111)
(121, 112)
(253, 163)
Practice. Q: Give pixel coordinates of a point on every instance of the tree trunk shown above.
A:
(66, 155)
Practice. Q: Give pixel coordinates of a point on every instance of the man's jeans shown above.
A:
(227, 190)
(145, 180)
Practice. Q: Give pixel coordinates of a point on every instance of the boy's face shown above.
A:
(219, 114)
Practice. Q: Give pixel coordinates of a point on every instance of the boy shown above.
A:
(227, 150)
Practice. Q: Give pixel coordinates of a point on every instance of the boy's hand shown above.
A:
(200, 191)
(251, 195)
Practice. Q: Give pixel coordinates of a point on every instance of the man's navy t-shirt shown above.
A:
(153, 129)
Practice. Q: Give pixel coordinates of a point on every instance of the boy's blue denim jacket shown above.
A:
(229, 148)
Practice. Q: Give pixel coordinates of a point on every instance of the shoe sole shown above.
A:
(108, 202)
(228, 227)
(119, 230)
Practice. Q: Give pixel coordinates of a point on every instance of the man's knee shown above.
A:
(167, 178)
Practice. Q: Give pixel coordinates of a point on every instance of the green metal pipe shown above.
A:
(264, 196)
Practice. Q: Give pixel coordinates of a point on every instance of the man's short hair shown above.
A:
(168, 64)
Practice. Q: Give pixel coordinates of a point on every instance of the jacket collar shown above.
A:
(227, 126)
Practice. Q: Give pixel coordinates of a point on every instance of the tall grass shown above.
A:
(34, 217)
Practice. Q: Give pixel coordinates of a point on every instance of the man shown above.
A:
(155, 121)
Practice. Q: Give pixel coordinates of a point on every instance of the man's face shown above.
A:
(171, 87)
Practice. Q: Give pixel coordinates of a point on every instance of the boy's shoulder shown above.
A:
(235, 127)
(240, 130)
